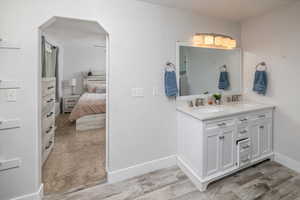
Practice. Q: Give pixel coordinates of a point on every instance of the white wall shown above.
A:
(274, 38)
(80, 58)
(142, 39)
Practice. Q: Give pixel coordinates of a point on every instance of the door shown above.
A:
(255, 140)
(212, 151)
(228, 148)
(266, 137)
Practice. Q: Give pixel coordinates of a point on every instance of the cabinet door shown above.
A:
(212, 152)
(266, 137)
(255, 140)
(228, 148)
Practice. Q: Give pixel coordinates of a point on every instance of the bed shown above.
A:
(90, 110)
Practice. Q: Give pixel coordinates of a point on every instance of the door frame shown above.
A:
(39, 93)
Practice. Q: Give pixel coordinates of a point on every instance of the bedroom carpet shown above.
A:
(77, 160)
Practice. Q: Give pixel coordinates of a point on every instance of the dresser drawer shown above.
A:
(71, 100)
(48, 148)
(48, 136)
(48, 103)
(48, 86)
(48, 121)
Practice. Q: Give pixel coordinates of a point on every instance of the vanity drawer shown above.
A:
(48, 86)
(261, 115)
(243, 120)
(244, 152)
(219, 124)
(243, 132)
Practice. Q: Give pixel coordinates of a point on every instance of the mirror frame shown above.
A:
(191, 44)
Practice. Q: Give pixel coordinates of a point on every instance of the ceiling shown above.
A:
(235, 10)
(73, 30)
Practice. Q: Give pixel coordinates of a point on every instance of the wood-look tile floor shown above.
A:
(77, 160)
(266, 181)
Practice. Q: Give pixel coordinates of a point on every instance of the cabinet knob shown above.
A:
(261, 127)
(222, 137)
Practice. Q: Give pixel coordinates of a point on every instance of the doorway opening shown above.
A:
(73, 108)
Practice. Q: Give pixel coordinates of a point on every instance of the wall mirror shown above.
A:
(201, 70)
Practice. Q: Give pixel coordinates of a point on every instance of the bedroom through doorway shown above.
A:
(73, 109)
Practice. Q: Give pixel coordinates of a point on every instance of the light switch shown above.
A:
(137, 92)
(11, 95)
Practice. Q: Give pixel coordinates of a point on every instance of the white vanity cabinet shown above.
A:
(219, 151)
(211, 148)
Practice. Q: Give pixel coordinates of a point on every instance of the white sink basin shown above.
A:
(210, 110)
(244, 105)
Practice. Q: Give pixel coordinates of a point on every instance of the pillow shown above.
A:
(91, 88)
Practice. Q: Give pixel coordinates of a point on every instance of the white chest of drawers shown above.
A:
(48, 116)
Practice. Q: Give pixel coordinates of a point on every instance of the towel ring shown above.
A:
(261, 64)
(223, 68)
(170, 66)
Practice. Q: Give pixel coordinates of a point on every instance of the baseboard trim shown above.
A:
(140, 169)
(190, 174)
(33, 196)
(287, 162)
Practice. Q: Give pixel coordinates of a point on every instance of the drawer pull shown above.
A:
(246, 160)
(222, 137)
(243, 120)
(262, 127)
(243, 132)
(50, 100)
(49, 130)
(50, 114)
(50, 87)
(222, 124)
(261, 116)
(49, 145)
(246, 147)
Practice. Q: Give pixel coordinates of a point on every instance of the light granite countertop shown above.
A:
(210, 112)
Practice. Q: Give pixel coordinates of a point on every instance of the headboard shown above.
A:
(99, 80)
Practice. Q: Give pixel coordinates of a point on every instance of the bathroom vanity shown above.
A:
(215, 141)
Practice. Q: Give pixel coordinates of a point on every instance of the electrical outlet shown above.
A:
(11, 95)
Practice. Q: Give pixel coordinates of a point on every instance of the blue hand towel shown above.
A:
(171, 89)
(260, 82)
(224, 81)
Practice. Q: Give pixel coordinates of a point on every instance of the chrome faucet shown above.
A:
(199, 102)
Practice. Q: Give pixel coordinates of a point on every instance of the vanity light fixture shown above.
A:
(212, 40)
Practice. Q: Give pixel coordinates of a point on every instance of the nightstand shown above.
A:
(69, 103)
